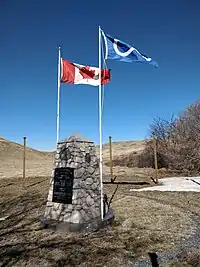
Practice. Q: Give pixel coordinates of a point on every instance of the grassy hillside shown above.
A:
(123, 148)
(40, 163)
(141, 218)
(11, 160)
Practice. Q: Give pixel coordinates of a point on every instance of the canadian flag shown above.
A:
(79, 74)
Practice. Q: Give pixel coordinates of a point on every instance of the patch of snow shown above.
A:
(172, 184)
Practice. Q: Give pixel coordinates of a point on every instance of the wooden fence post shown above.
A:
(111, 163)
(155, 159)
(24, 162)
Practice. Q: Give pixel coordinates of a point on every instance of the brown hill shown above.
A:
(122, 148)
(11, 160)
(40, 163)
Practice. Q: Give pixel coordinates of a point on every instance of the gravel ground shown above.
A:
(187, 245)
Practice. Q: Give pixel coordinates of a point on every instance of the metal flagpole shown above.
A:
(58, 99)
(100, 126)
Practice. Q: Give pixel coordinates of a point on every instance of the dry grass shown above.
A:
(125, 153)
(11, 157)
(142, 225)
(122, 148)
(40, 163)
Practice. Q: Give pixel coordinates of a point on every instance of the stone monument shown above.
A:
(74, 199)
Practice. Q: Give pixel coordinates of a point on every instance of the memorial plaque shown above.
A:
(63, 185)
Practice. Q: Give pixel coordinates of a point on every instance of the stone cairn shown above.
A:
(79, 156)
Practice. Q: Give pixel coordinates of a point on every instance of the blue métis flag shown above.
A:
(119, 50)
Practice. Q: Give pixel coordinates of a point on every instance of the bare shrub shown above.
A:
(178, 144)
(146, 158)
(127, 160)
(178, 140)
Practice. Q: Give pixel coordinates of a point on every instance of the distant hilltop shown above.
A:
(39, 163)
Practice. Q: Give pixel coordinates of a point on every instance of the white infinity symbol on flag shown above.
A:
(122, 54)
(127, 53)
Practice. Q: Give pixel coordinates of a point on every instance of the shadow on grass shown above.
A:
(56, 253)
(25, 242)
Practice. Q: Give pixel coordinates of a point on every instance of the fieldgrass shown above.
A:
(145, 222)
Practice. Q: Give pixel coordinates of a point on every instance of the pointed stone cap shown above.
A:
(76, 138)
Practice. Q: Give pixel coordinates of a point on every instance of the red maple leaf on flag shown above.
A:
(87, 73)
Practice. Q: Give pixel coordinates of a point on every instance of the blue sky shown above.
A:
(32, 31)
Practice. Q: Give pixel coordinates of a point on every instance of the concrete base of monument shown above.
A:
(90, 226)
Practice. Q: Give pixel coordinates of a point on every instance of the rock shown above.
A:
(94, 186)
(84, 165)
(84, 206)
(68, 208)
(59, 147)
(91, 170)
(78, 207)
(89, 181)
(89, 201)
(78, 173)
(67, 217)
(78, 202)
(92, 193)
(77, 184)
(53, 215)
(82, 193)
(75, 217)
(50, 196)
(58, 206)
(58, 162)
(71, 149)
(61, 218)
(73, 165)
(57, 156)
(70, 161)
(77, 138)
(78, 159)
(51, 182)
(58, 213)
(95, 212)
(84, 216)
